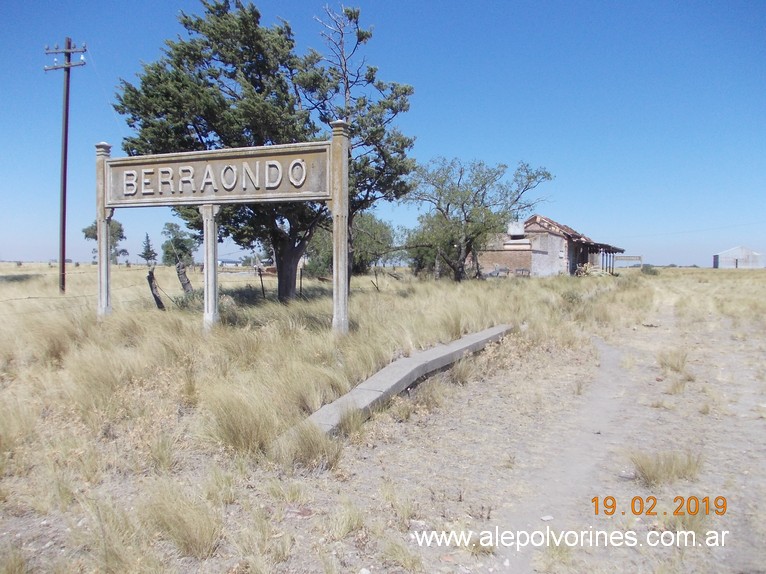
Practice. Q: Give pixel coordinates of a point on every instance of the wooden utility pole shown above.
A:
(68, 49)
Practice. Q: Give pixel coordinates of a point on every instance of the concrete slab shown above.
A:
(329, 416)
(400, 375)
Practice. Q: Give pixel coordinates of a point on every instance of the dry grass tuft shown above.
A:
(398, 554)
(291, 493)
(220, 488)
(189, 522)
(162, 452)
(346, 519)
(306, 446)
(97, 373)
(400, 408)
(405, 509)
(463, 371)
(351, 424)
(555, 558)
(673, 360)
(12, 561)
(697, 523)
(451, 323)
(677, 386)
(260, 544)
(17, 423)
(118, 543)
(477, 548)
(655, 469)
(429, 395)
(240, 419)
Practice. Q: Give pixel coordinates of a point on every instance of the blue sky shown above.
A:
(651, 115)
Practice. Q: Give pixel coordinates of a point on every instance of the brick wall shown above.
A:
(511, 259)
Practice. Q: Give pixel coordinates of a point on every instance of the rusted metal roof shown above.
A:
(551, 226)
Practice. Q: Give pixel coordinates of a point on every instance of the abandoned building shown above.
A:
(737, 258)
(540, 247)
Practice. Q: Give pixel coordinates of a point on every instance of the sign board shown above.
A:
(312, 171)
(628, 257)
(294, 172)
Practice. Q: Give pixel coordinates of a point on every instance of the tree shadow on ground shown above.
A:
(19, 277)
(253, 295)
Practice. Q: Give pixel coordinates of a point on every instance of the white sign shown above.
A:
(295, 172)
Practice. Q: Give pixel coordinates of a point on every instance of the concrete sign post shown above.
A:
(103, 215)
(315, 171)
(210, 264)
(339, 204)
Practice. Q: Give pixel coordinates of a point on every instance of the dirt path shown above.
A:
(527, 448)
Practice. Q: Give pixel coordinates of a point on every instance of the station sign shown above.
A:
(292, 172)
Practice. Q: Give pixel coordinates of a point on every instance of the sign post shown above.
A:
(103, 215)
(210, 264)
(339, 154)
(314, 171)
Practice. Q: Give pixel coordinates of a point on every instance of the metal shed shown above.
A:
(737, 258)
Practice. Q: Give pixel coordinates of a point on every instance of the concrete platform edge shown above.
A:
(400, 375)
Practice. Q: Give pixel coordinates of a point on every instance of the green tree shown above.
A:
(248, 261)
(373, 241)
(148, 253)
(373, 238)
(179, 246)
(345, 88)
(466, 204)
(230, 83)
(235, 83)
(319, 253)
(116, 234)
(420, 252)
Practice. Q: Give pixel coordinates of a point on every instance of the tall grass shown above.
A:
(268, 365)
(188, 521)
(118, 542)
(308, 447)
(143, 396)
(240, 418)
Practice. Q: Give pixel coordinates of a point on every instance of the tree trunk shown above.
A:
(288, 247)
(185, 283)
(155, 289)
(455, 267)
(476, 273)
(461, 257)
(287, 259)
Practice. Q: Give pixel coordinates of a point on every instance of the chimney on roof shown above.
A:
(516, 229)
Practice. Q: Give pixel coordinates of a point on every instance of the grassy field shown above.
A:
(125, 444)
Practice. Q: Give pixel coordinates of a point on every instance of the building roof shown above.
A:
(565, 231)
(739, 251)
